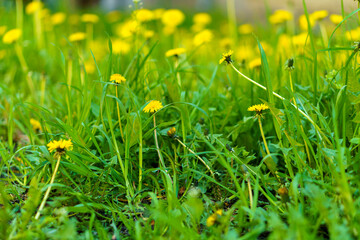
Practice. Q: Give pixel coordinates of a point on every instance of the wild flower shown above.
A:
(280, 16)
(35, 124)
(117, 78)
(226, 57)
(58, 18)
(76, 37)
(203, 37)
(173, 17)
(246, 28)
(33, 7)
(336, 19)
(259, 108)
(175, 52)
(60, 146)
(153, 106)
(12, 36)
(89, 18)
(213, 218)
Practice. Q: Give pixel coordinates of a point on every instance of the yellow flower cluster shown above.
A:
(153, 106)
(60, 146)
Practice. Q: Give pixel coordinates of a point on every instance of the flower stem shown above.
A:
(49, 188)
(269, 161)
(118, 113)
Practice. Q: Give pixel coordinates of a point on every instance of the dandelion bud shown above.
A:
(172, 132)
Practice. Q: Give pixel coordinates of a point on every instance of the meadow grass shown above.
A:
(124, 124)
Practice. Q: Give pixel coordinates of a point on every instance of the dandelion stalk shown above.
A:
(118, 113)
(49, 188)
(282, 98)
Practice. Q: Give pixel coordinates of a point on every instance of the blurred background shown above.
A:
(247, 10)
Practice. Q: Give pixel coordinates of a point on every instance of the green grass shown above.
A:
(122, 185)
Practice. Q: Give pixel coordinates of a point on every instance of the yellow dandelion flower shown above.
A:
(211, 220)
(78, 36)
(144, 15)
(255, 63)
(113, 16)
(35, 124)
(12, 36)
(58, 18)
(300, 39)
(304, 24)
(259, 108)
(202, 19)
(89, 18)
(148, 34)
(336, 19)
(171, 133)
(2, 30)
(60, 146)
(175, 52)
(33, 7)
(203, 37)
(280, 16)
(120, 47)
(173, 17)
(117, 78)
(246, 29)
(127, 29)
(226, 57)
(168, 30)
(319, 15)
(153, 106)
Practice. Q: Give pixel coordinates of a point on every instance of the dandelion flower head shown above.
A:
(117, 78)
(153, 106)
(60, 146)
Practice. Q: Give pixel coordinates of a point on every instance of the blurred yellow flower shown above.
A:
(168, 30)
(120, 47)
(304, 23)
(33, 7)
(202, 37)
(336, 19)
(35, 124)
(319, 15)
(89, 18)
(255, 63)
(353, 34)
(144, 15)
(173, 17)
(127, 29)
(226, 57)
(211, 220)
(12, 36)
(60, 146)
(246, 28)
(2, 30)
(175, 52)
(117, 78)
(202, 19)
(113, 16)
(58, 18)
(153, 106)
(148, 34)
(78, 36)
(89, 67)
(300, 39)
(280, 16)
